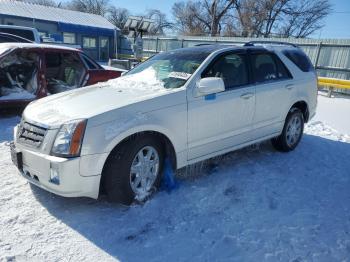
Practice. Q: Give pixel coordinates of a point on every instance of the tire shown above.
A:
(118, 179)
(292, 132)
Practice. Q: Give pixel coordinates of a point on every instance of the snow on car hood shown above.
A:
(93, 100)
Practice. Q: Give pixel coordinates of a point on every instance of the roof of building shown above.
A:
(54, 14)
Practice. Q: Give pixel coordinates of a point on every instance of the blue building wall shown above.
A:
(56, 30)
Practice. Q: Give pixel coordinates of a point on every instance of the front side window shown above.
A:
(232, 68)
(69, 38)
(268, 67)
(168, 70)
(89, 42)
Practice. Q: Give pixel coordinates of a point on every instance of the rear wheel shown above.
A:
(133, 171)
(292, 132)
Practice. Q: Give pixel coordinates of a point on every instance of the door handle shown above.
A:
(247, 95)
(289, 86)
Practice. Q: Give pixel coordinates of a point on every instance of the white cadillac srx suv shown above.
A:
(185, 105)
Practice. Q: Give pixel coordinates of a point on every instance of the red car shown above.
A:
(31, 71)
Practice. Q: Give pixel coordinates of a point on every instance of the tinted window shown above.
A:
(283, 72)
(299, 59)
(7, 39)
(231, 68)
(20, 32)
(268, 67)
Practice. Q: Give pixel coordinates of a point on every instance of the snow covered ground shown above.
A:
(256, 205)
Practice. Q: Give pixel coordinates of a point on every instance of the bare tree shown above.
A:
(118, 16)
(215, 10)
(304, 17)
(185, 21)
(207, 14)
(259, 18)
(97, 7)
(266, 18)
(161, 23)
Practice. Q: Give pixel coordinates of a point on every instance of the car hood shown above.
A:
(84, 103)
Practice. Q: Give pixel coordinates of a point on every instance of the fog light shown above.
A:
(54, 175)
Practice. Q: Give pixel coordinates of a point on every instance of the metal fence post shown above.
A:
(157, 44)
(319, 47)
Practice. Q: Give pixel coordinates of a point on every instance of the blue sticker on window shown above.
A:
(210, 97)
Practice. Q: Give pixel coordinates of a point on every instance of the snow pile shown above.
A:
(149, 80)
(254, 204)
(145, 80)
(324, 130)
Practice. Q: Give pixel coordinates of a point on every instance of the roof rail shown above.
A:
(203, 44)
(252, 43)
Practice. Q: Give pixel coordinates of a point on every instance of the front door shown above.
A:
(218, 122)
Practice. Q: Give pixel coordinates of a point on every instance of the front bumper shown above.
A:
(37, 167)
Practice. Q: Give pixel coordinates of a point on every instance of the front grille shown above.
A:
(30, 134)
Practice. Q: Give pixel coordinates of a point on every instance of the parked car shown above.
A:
(8, 38)
(31, 71)
(29, 33)
(185, 105)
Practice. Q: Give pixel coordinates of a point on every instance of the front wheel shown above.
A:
(134, 170)
(292, 132)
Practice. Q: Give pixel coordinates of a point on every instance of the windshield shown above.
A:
(172, 69)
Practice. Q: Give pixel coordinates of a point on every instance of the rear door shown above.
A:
(218, 122)
(274, 84)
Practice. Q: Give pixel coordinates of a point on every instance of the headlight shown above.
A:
(69, 139)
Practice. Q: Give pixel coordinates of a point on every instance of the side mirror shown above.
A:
(210, 85)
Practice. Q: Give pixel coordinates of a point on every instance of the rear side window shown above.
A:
(20, 32)
(299, 59)
(268, 67)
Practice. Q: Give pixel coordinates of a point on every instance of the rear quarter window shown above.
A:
(300, 59)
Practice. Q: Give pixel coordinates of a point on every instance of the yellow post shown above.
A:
(334, 82)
